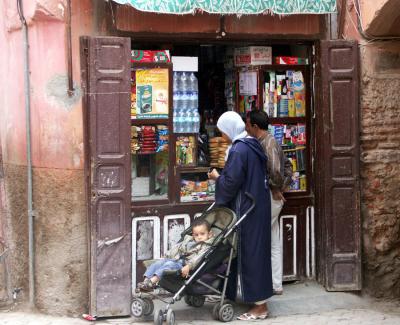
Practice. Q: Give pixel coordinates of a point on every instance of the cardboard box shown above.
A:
(185, 63)
(253, 55)
(150, 56)
(290, 60)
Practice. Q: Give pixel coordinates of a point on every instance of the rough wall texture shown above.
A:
(380, 168)
(61, 241)
(61, 259)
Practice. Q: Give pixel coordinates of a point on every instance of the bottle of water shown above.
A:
(190, 117)
(175, 120)
(196, 122)
(186, 121)
(180, 121)
(176, 90)
(184, 88)
(194, 88)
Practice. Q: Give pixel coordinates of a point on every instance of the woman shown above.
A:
(250, 280)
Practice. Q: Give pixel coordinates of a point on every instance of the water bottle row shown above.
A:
(186, 121)
(185, 90)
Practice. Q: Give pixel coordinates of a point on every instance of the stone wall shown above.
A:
(380, 167)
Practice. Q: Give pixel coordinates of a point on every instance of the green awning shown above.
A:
(239, 7)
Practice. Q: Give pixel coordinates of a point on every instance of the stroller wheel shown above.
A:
(137, 307)
(189, 300)
(225, 313)
(148, 306)
(198, 301)
(158, 317)
(170, 317)
(215, 311)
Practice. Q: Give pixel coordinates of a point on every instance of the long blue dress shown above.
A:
(251, 278)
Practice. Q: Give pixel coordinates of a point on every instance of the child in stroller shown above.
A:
(184, 257)
(208, 277)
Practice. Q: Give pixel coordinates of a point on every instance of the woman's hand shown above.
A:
(213, 174)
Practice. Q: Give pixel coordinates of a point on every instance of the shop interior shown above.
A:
(174, 139)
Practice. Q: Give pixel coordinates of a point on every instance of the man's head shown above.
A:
(256, 123)
(201, 230)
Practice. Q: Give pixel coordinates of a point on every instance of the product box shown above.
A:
(290, 60)
(150, 56)
(253, 55)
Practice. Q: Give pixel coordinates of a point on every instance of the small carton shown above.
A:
(150, 56)
(253, 55)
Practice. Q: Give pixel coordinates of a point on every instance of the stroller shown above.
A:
(210, 276)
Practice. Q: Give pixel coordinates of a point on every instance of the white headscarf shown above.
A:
(233, 126)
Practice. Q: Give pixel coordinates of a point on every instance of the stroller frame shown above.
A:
(142, 302)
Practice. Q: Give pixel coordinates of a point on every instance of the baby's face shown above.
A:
(200, 233)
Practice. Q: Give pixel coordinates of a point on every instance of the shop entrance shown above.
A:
(147, 162)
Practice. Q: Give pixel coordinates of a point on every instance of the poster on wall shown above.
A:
(152, 93)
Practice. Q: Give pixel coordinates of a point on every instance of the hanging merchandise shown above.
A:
(299, 94)
(185, 150)
(218, 147)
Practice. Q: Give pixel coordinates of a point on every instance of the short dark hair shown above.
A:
(259, 118)
(201, 222)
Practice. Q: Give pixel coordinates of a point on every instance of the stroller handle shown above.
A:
(253, 204)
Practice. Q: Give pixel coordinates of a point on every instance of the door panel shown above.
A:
(340, 148)
(106, 81)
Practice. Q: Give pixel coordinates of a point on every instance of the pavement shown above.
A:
(301, 304)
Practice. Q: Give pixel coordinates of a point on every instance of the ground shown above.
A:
(302, 303)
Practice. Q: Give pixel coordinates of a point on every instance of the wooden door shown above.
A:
(106, 82)
(339, 170)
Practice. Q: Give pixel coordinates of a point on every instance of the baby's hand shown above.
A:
(185, 271)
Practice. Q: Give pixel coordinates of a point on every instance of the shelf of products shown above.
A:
(284, 93)
(196, 187)
(149, 172)
(292, 139)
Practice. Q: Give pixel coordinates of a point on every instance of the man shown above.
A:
(280, 172)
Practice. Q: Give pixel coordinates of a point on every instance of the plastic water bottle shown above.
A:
(176, 90)
(194, 89)
(175, 120)
(184, 88)
(196, 122)
(179, 121)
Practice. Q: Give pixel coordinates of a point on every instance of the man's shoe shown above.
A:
(277, 292)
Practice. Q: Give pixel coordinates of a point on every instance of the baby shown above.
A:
(184, 256)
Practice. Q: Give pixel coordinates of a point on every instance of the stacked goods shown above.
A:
(285, 94)
(218, 147)
(162, 138)
(148, 143)
(149, 139)
(134, 140)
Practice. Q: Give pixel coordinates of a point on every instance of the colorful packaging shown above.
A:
(290, 60)
(253, 55)
(150, 56)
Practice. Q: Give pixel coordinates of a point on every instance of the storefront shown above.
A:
(153, 94)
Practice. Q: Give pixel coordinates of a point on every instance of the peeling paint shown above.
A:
(145, 240)
(175, 230)
(57, 95)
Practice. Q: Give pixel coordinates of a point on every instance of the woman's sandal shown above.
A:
(248, 316)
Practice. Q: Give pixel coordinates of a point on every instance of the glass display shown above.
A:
(149, 149)
(292, 138)
(149, 93)
(196, 187)
(186, 150)
(284, 94)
